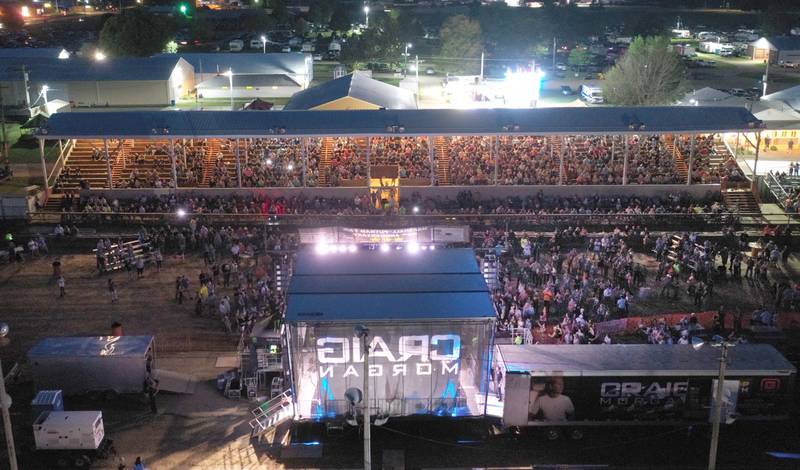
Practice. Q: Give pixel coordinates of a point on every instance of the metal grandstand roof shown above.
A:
(241, 81)
(439, 284)
(246, 63)
(53, 69)
(600, 120)
(354, 85)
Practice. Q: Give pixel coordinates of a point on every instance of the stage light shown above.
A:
(290, 167)
(416, 209)
(181, 213)
(433, 247)
(352, 248)
(413, 247)
(424, 247)
(269, 162)
(384, 248)
(321, 248)
(341, 248)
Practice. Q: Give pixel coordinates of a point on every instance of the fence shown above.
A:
(665, 221)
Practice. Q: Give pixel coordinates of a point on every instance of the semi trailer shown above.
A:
(636, 384)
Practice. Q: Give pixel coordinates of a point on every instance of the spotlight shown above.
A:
(342, 248)
(352, 248)
(433, 247)
(321, 248)
(290, 166)
(416, 209)
(413, 247)
(181, 213)
(269, 162)
(424, 247)
(384, 248)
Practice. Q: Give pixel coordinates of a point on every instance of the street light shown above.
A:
(99, 55)
(366, 13)
(717, 416)
(362, 332)
(405, 54)
(264, 43)
(229, 74)
(44, 94)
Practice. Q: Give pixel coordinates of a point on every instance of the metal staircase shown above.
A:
(272, 413)
(489, 267)
(442, 161)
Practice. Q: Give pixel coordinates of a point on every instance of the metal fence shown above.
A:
(678, 221)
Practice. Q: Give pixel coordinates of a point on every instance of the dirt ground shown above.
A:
(204, 430)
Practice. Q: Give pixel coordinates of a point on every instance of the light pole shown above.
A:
(717, 416)
(5, 403)
(363, 333)
(405, 54)
(229, 74)
(264, 43)
(44, 94)
(366, 13)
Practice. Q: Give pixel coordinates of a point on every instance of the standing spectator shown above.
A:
(159, 260)
(61, 287)
(112, 289)
(140, 267)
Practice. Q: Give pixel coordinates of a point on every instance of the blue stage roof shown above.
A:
(372, 285)
(91, 346)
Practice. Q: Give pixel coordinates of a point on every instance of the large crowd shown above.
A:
(466, 202)
(473, 160)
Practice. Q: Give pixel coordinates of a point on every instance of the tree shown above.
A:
(320, 12)
(340, 19)
(650, 73)
(134, 33)
(461, 37)
(647, 25)
(777, 20)
(279, 11)
(579, 57)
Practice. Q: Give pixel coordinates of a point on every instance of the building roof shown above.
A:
(256, 81)
(78, 69)
(784, 43)
(705, 95)
(641, 359)
(355, 85)
(542, 121)
(31, 52)
(378, 286)
(92, 346)
(789, 96)
(246, 63)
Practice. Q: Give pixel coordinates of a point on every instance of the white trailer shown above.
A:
(72, 439)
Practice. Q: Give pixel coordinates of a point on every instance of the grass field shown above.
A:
(20, 154)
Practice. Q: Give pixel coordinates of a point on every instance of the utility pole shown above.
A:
(717, 417)
(3, 125)
(6, 403)
(554, 54)
(482, 67)
(363, 333)
(766, 78)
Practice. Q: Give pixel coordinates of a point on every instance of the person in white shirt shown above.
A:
(554, 405)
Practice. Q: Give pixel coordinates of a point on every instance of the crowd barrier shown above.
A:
(624, 326)
(679, 221)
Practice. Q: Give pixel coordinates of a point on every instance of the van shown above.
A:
(592, 94)
(256, 44)
(236, 45)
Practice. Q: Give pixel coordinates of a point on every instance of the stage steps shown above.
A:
(442, 161)
(680, 162)
(95, 172)
(270, 414)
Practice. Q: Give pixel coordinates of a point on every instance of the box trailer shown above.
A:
(79, 365)
(73, 439)
(636, 384)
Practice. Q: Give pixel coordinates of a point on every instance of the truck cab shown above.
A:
(592, 94)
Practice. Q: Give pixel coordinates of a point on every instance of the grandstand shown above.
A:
(658, 147)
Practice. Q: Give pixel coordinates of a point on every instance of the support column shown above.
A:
(238, 165)
(625, 163)
(369, 155)
(60, 146)
(496, 151)
(560, 160)
(174, 164)
(305, 161)
(432, 157)
(755, 163)
(109, 179)
(44, 169)
(736, 151)
(691, 159)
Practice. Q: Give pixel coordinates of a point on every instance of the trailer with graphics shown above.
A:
(564, 387)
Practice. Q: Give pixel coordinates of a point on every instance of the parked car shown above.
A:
(561, 66)
(788, 64)
(430, 71)
(567, 90)
(286, 49)
(738, 92)
(317, 57)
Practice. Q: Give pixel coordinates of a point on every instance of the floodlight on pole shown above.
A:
(366, 13)
(264, 43)
(362, 332)
(229, 74)
(99, 55)
(716, 417)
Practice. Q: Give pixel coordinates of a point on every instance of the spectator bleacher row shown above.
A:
(343, 161)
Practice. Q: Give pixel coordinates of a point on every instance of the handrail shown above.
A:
(777, 190)
(61, 161)
(392, 220)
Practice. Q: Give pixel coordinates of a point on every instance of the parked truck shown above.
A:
(566, 387)
(78, 365)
